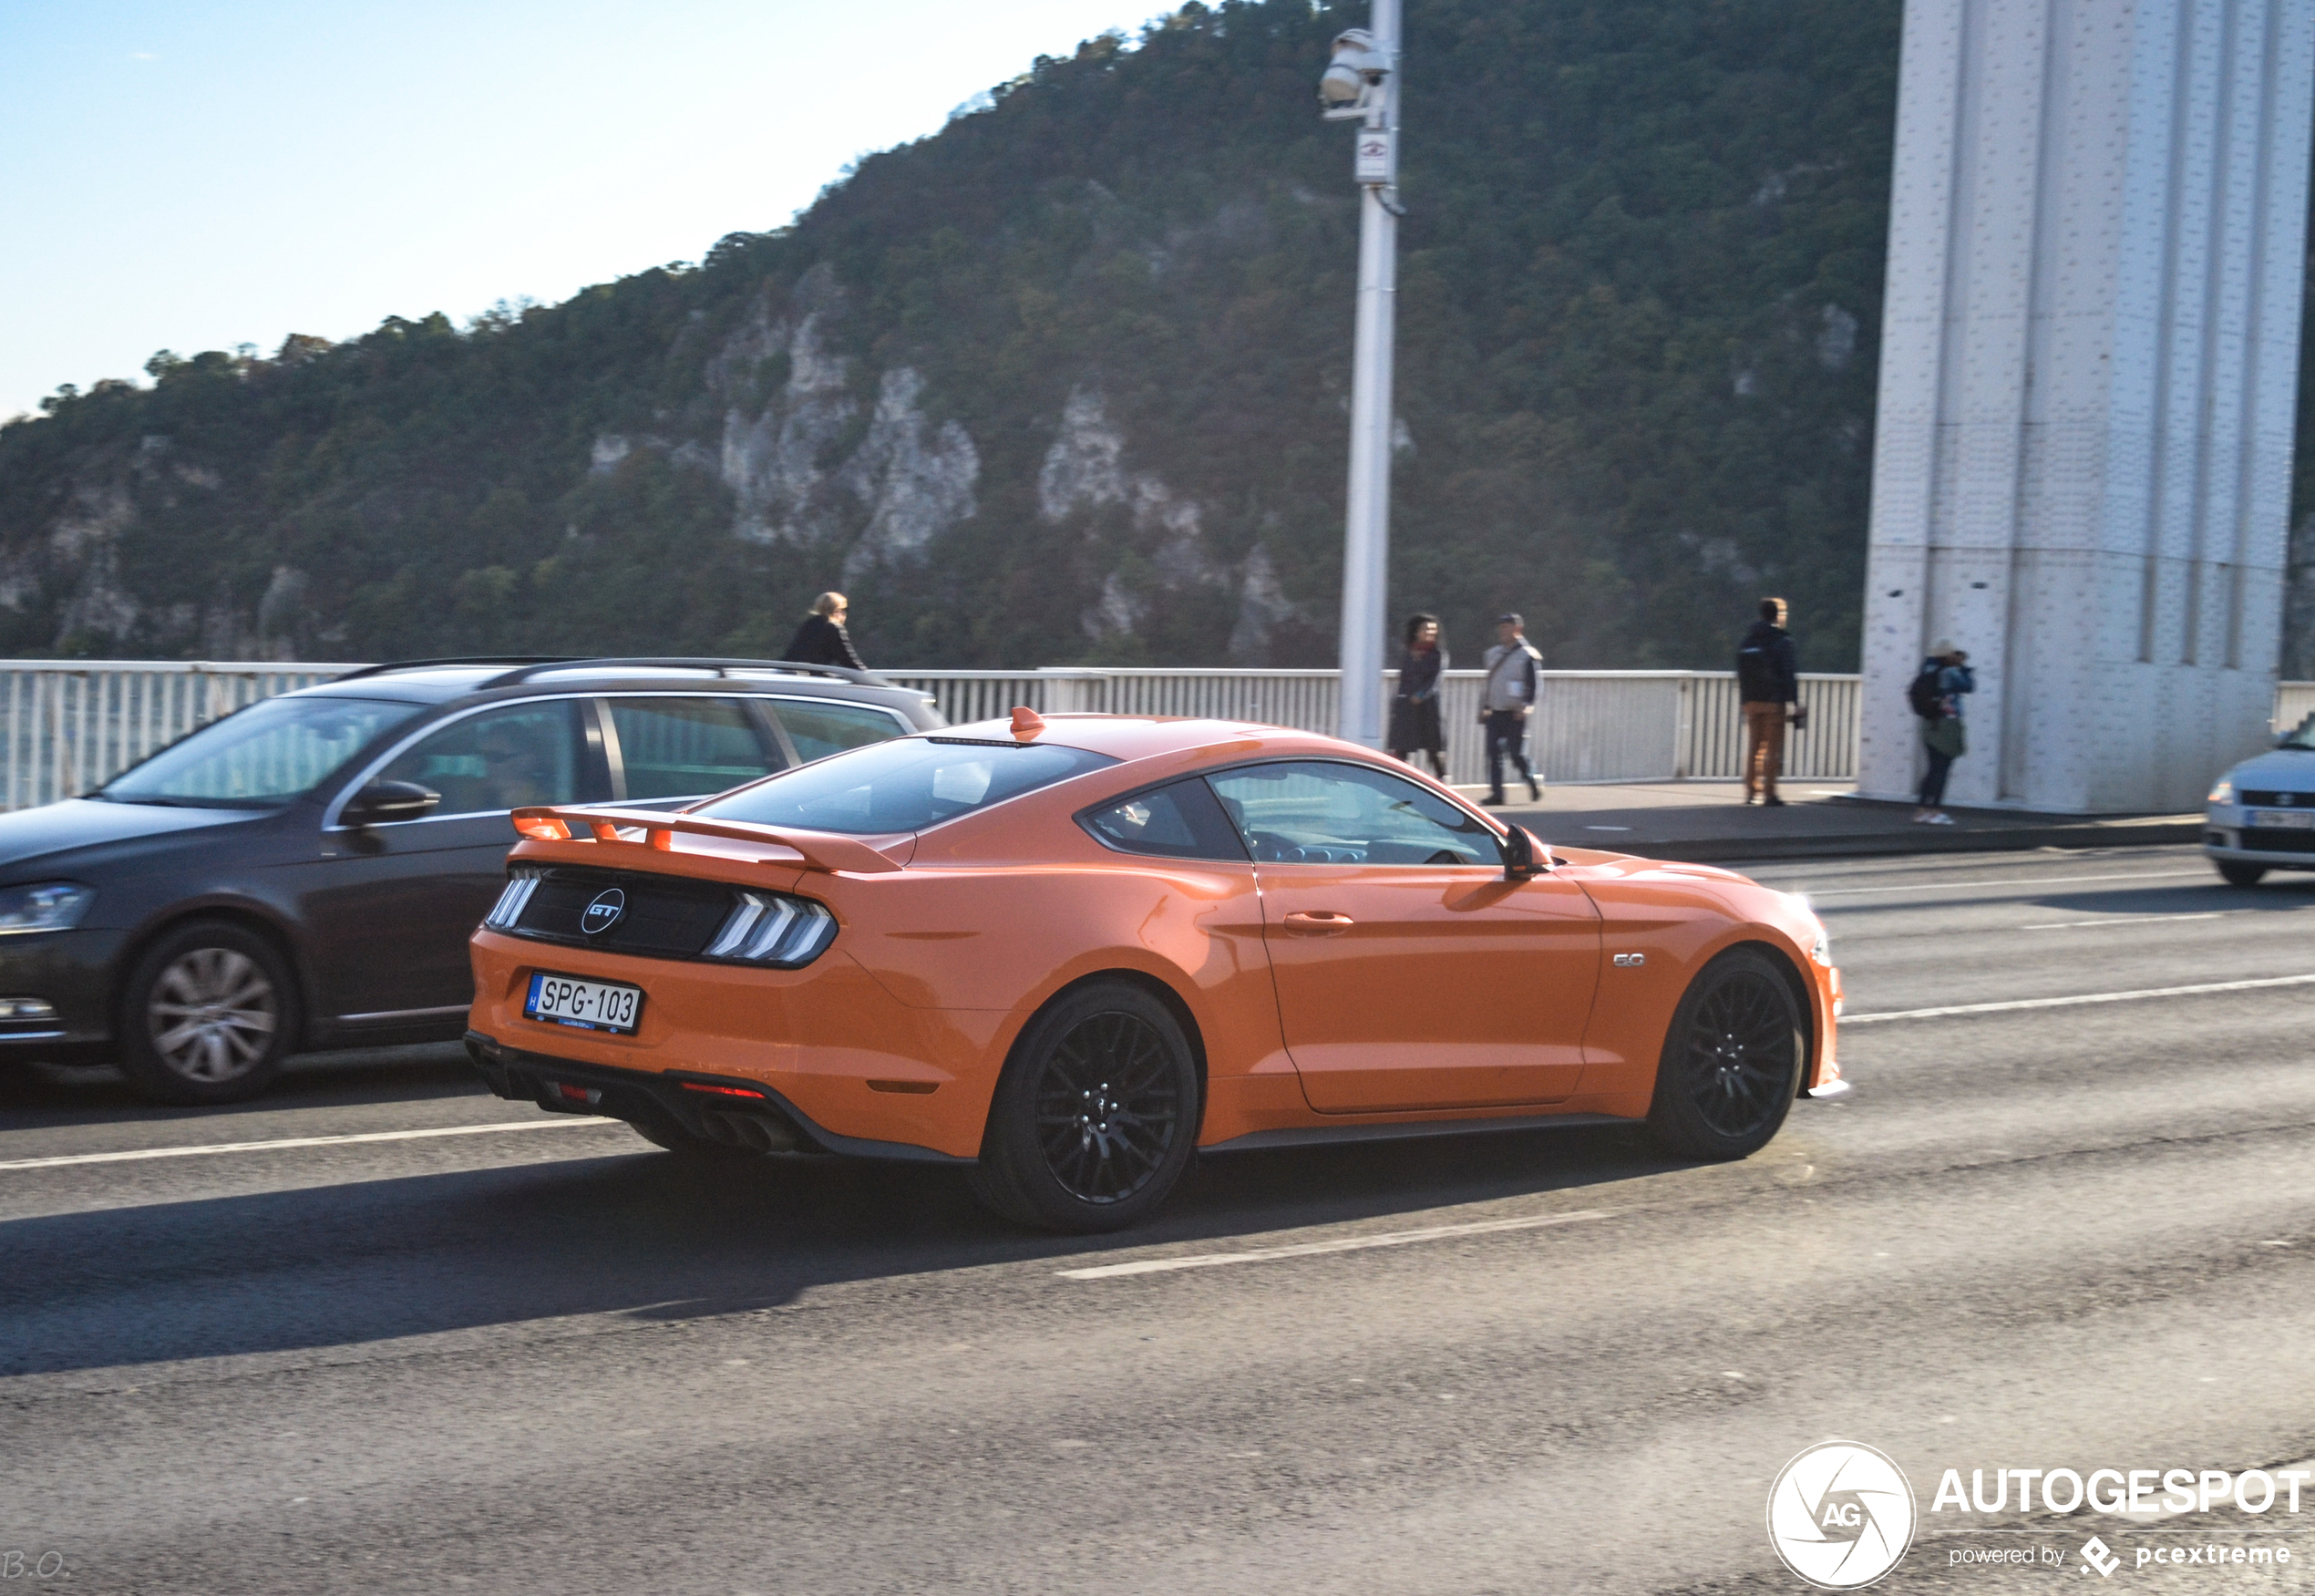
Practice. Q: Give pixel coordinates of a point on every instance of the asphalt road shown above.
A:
(547, 1359)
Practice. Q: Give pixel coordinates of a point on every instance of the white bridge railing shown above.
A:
(70, 726)
(1592, 726)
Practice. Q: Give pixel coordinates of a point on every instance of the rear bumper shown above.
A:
(718, 1109)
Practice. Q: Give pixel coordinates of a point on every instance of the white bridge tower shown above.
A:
(2089, 365)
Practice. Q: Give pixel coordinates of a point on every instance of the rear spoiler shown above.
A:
(821, 850)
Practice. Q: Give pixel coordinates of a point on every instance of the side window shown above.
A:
(499, 759)
(1321, 812)
(819, 729)
(1181, 821)
(687, 747)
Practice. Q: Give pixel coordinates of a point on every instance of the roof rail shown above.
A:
(527, 669)
(464, 659)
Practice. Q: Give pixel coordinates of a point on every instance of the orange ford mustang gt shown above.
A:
(1067, 953)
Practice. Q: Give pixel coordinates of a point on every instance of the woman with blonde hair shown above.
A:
(822, 639)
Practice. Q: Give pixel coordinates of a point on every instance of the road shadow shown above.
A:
(2276, 894)
(48, 1096)
(647, 1235)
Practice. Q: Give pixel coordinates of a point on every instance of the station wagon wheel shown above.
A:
(1095, 1114)
(207, 1016)
(1732, 1060)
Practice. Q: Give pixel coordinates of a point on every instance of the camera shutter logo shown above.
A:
(1841, 1515)
(606, 911)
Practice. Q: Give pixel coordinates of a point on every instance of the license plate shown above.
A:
(591, 1005)
(2283, 819)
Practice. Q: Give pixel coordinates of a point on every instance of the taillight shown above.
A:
(507, 910)
(774, 929)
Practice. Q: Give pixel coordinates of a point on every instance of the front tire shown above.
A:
(207, 1016)
(2237, 874)
(1732, 1061)
(1095, 1115)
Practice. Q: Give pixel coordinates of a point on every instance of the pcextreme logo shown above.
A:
(1841, 1515)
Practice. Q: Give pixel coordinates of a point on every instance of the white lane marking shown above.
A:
(2022, 881)
(2128, 919)
(1341, 1244)
(300, 1141)
(2061, 1003)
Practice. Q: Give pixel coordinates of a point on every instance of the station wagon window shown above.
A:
(266, 754)
(1181, 821)
(1324, 812)
(818, 730)
(499, 759)
(683, 748)
(903, 785)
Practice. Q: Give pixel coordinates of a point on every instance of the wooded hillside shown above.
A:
(1068, 381)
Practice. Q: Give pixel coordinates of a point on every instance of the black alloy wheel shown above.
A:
(207, 1016)
(1732, 1062)
(1095, 1115)
(2238, 874)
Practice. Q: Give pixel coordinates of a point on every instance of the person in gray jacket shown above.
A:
(1515, 676)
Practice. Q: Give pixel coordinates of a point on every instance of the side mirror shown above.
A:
(383, 802)
(1520, 862)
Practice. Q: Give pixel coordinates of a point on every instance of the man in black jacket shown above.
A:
(822, 639)
(1768, 682)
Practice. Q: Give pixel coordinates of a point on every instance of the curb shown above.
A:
(2163, 832)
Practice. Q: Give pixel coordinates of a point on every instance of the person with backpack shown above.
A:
(1768, 682)
(1935, 694)
(1514, 677)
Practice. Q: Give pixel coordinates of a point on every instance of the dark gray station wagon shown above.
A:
(304, 873)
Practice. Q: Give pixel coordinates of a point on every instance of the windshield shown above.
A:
(2303, 738)
(270, 753)
(905, 784)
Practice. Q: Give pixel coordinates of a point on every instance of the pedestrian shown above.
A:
(1513, 675)
(1414, 707)
(822, 639)
(1768, 684)
(1936, 697)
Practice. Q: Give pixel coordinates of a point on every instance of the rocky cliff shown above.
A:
(1068, 381)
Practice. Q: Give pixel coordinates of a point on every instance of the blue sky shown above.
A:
(195, 177)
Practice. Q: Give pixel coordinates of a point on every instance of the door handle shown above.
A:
(1317, 922)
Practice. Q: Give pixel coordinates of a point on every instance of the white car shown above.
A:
(2262, 812)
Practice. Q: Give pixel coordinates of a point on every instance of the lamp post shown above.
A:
(1362, 85)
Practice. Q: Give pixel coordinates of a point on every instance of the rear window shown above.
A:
(905, 784)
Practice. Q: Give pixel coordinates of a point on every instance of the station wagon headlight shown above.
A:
(774, 929)
(2224, 793)
(47, 906)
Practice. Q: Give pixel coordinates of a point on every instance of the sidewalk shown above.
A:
(1707, 821)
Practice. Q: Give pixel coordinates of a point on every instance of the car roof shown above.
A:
(444, 681)
(1143, 736)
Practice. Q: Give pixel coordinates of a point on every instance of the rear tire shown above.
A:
(1095, 1115)
(2241, 875)
(207, 1016)
(1732, 1060)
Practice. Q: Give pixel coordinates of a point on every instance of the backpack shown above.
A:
(1924, 694)
(1755, 676)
